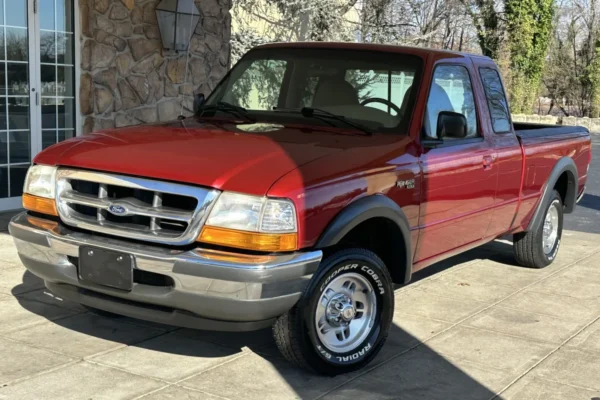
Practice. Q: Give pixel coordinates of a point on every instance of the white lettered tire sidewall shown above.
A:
(529, 245)
(555, 198)
(372, 268)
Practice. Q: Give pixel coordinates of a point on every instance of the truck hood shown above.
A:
(246, 158)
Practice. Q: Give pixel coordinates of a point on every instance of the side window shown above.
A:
(451, 90)
(259, 86)
(496, 99)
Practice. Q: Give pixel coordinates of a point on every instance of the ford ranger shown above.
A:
(311, 180)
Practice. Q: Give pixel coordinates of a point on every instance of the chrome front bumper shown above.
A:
(209, 289)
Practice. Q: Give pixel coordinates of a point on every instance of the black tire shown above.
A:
(296, 334)
(529, 246)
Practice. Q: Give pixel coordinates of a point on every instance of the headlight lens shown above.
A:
(41, 181)
(253, 214)
(237, 211)
(251, 223)
(278, 216)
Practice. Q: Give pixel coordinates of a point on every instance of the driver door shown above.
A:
(459, 175)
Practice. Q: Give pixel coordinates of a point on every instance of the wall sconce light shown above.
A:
(177, 21)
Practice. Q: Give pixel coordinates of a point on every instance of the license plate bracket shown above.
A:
(106, 267)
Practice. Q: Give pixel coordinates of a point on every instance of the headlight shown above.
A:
(254, 214)
(41, 181)
(253, 223)
(237, 211)
(39, 190)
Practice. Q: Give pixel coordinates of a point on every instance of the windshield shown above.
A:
(372, 89)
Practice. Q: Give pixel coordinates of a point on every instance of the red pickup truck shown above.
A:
(312, 179)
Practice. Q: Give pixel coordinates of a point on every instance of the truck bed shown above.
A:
(526, 130)
(542, 144)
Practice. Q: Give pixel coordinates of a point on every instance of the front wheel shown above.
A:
(538, 249)
(343, 317)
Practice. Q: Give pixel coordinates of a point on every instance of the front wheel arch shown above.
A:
(364, 212)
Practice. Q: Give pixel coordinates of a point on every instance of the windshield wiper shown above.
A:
(232, 109)
(310, 112)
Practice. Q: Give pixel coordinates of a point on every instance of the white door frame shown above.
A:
(35, 79)
(13, 203)
(77, 42)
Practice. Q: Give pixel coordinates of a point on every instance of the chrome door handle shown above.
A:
(488, 161)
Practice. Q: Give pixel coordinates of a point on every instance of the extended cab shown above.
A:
(312, 179)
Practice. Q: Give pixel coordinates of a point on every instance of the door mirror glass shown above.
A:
(198, 103)
(451, 125)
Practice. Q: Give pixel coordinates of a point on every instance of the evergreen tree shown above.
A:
(529, 26)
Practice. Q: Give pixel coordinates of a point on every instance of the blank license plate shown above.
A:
(106, 267)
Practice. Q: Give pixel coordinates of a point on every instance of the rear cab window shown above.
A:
(496, 100)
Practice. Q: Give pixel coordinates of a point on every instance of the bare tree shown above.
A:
(572, 76)
(487, 20)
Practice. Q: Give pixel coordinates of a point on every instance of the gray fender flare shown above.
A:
(565, 164)
(361, 210)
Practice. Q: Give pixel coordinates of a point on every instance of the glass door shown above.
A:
(15, 111)
(57, 71)
(37, 86)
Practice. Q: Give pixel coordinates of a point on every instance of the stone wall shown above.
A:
(127, 78)
(592, 124)
(536, 119)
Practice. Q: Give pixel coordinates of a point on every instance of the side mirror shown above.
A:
(451, 125)
(198, 103)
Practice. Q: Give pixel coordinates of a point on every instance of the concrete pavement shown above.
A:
(473, 327)
(587, 214)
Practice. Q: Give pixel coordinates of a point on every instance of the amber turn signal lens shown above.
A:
(42, 223)
(249, 240)
(41, 205)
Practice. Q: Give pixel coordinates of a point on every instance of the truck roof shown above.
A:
(389, 48)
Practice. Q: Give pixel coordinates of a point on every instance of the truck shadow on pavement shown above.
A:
(590, 201)
(499, 251)
(406, 368)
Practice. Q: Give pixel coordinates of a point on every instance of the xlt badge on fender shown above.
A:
(407, 184)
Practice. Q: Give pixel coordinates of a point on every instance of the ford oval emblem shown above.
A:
(117, 209)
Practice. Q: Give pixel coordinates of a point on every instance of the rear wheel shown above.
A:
(538, 249)
(343, 317)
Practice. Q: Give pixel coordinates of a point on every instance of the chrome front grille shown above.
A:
(133, 208)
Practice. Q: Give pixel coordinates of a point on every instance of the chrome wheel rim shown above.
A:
(550, 230)
(345, 312)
